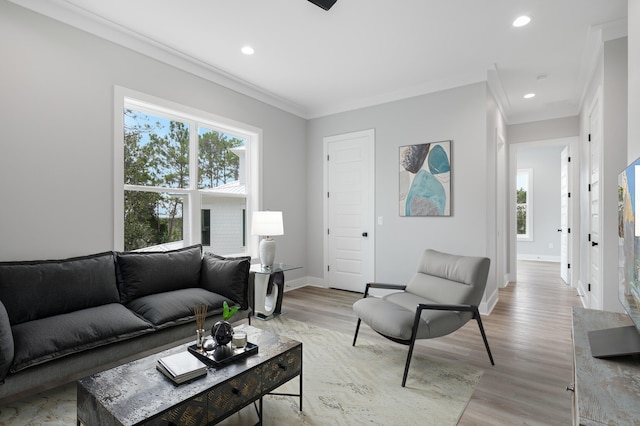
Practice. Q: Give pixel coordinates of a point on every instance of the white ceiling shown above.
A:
(314, 62)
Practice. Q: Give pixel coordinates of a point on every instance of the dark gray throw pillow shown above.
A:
(144, 273)
(6, 343)
(32, 290)
(228, 277)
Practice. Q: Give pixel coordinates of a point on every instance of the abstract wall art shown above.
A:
(425, 179)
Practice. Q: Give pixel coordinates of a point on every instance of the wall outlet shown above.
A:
(550, 245)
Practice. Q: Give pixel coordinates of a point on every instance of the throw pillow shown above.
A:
(32, 290)
(228, 277)
(144, 273)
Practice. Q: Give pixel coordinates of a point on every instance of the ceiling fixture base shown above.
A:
(325, 4)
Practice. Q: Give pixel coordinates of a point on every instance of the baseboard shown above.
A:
(303, 282)
(485, 308)
(538, 257)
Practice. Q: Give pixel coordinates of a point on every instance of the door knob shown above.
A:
(364, 234)
(593, 244)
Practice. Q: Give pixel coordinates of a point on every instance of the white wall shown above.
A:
(460, 115)
(56, 154)
(542, 130)
(633, 148)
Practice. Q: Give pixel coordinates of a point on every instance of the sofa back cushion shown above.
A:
(38, 289)
(144, 273)
(228, 277)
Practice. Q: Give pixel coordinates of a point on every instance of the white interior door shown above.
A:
(594, 290)
(565, 272)
(350, 210)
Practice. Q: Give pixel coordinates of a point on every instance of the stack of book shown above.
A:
(181, 367)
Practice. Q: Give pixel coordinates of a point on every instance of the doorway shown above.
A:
(543, 234)
(349, 208)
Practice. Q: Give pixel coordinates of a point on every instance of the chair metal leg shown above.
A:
(356, 335)
(484, 337)
(406, 365)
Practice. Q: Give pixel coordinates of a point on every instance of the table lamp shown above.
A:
(267, 224)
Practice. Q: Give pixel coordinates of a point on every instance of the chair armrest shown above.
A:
(384, 286)
(435, 307)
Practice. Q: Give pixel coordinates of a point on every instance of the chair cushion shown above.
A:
(393, 316)
(49, 338)
(33, 290)
(144, 273)
(226, 276)
(450, 279)
(175, 307)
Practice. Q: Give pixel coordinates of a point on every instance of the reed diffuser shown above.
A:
(200, 312)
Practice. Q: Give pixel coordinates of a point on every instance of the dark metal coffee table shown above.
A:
(136, 393)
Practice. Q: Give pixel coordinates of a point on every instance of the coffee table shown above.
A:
(136, 393)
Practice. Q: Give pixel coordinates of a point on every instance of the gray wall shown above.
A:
(460, 115)
(56, 116)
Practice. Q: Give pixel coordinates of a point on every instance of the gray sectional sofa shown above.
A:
(64, 319)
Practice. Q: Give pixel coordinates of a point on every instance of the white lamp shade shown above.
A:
(267, 223)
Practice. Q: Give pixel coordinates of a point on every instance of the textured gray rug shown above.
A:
(343, 385)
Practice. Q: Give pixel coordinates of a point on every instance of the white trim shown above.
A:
(370, 135)
(539, 258)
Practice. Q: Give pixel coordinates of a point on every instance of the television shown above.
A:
(625, 340)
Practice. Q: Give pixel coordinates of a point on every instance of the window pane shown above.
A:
(228, 226)
(151, 219)
(521, 219)
(217, 163)
(156, 151)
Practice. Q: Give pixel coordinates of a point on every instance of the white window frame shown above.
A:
(127, 98)
(529, 222)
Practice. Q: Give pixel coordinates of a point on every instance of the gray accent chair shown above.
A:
(442, 296)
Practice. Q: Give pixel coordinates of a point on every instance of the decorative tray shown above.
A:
(225, 356)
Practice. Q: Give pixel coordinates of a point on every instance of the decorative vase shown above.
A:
(222, 332)
(199, 338)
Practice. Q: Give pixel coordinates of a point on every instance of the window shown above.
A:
(524, 206)
(182, 177)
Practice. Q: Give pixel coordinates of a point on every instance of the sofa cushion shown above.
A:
(175, 307)
(226, 276)
(144, 273)
(38, 289)
(50, 338)
(6, 343)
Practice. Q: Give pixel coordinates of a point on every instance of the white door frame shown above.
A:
(369, 266)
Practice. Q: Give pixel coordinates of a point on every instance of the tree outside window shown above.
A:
(523, 204)
(161, 189)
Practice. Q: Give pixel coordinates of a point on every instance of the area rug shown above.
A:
(343, 385)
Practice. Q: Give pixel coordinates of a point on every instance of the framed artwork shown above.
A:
(425, 179)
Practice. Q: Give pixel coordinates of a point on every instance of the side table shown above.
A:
(267, 288)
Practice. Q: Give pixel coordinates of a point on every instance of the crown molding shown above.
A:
(84, 20)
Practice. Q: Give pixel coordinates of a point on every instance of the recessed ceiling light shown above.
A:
(529, 95)
(248, 50)
(521, 21)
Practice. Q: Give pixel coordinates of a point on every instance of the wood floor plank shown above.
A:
(529, 332)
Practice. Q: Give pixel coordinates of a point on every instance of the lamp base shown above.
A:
(267, 252)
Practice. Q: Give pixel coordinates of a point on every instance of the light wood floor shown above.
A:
(529, 332)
